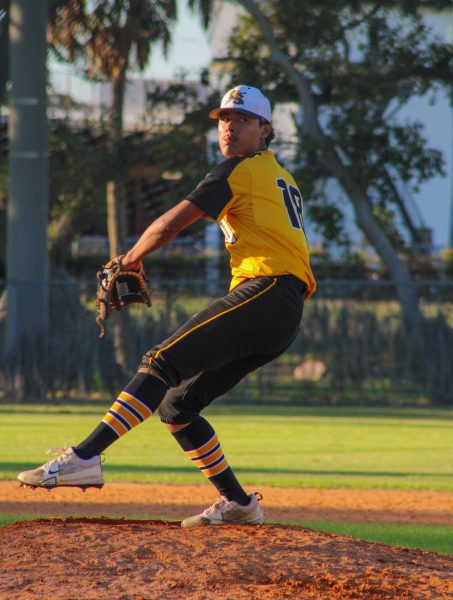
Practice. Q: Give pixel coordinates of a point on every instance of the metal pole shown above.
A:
(450, 236)
(27, 214)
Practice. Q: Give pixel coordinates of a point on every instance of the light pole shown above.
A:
(27, 214)
(450, 236)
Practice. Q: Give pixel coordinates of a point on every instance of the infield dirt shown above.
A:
(88, 558)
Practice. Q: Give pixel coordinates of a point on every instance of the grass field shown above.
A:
(329, 447)
(284, 446)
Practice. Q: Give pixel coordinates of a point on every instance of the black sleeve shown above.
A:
(213, 192)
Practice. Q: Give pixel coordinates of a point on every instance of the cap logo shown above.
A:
(244, 98)
(236, 97)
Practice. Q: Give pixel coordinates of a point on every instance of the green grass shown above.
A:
(6, 519)
(436, 538)
(287, 446)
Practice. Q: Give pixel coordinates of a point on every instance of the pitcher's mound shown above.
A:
(125, 559)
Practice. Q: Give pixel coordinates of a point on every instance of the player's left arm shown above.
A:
(161, 232)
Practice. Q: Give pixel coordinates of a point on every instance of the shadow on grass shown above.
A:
(252, 409)
(55, 410)
(13, 467)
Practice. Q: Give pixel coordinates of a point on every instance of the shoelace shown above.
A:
(221, 505)
(56, 452)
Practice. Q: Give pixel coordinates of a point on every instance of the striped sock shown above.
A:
(126, 412)
(201, 444)
(137, 402)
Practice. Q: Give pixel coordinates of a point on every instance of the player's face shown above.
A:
(240, 133)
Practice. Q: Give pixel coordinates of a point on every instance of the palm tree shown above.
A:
(111, 37)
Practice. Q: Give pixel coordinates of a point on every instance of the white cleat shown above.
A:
(67, 470)
(229, 512)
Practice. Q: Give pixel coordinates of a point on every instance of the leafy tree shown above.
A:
(109, 38)
(112, 37)
(77, 157)
(165, 163)
(180, 150)
(352, 66)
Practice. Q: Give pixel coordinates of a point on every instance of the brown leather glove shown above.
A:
(117, 289)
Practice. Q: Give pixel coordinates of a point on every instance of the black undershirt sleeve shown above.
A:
(213, 192)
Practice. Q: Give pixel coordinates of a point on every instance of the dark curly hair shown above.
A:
(271, 136)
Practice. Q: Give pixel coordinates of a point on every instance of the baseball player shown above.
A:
(258, 206)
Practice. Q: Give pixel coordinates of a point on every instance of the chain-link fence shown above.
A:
(352, 347)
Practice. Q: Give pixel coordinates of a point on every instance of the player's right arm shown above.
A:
(209, 199)
(161, 232)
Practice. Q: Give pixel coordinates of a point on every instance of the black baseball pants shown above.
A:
(217, 347)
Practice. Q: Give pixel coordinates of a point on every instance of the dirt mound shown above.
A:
(126, 559)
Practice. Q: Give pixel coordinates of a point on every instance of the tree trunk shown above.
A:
(405, 287)
(61, 232)
(311, 128)
(116, 216)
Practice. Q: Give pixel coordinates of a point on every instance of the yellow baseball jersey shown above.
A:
(259, 208)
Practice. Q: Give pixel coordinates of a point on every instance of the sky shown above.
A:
(189, 49)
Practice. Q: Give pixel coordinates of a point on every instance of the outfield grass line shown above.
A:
(116, 469)
(432, 538)
(97, 408)
(8, 519)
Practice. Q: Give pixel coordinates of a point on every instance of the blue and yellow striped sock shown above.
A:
(136, 403)
(201, 444)
(126, 412)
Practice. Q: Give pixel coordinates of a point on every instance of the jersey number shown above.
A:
(293, 202)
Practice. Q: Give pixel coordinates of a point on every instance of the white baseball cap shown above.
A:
(246, 99)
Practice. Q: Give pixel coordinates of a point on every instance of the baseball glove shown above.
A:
(117, 289)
